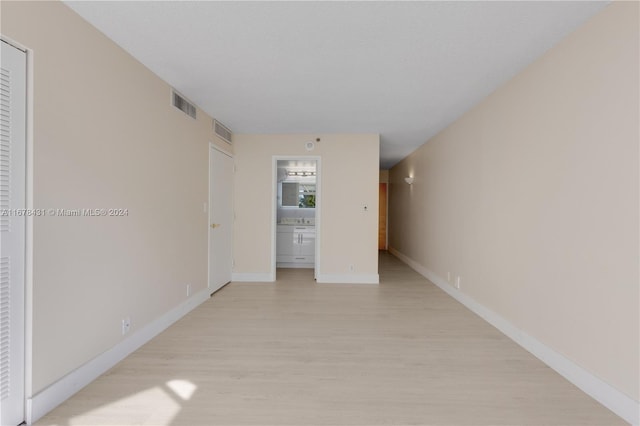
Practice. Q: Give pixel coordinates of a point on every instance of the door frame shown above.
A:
(208, 211)
(274, 207)
(28, 255)
(386, 221)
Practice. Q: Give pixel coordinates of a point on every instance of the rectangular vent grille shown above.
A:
(5, 148)
(222, 131)
(5, 326)
(183, 105)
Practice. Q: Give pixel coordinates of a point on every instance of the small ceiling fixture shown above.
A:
(409, 179)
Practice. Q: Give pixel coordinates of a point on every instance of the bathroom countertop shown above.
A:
(293, 222)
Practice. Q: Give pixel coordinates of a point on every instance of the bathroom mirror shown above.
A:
(298, 194)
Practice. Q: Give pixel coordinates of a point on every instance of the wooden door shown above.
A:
(382, 217)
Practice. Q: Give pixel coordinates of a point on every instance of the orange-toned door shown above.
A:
(382, 217)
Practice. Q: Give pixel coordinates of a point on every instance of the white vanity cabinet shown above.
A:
(296, 246)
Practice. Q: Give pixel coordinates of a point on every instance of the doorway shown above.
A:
(220, 218)
(296, 212)
(13, 127)
(382, 217)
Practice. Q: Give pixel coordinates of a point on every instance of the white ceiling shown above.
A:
(402, 69)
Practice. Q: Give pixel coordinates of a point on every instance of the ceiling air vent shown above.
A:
(183, 105)
(222, 131)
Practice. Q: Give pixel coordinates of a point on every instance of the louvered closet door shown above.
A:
(12, 225)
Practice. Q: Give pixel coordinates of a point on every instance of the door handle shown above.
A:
(215, 225)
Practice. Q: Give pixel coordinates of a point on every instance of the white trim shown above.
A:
(605, 394)
(348, 279)
(12, 43)
(218, 148)
(274, 214)
(28, 295)
(250, 277)
(49, 398)
(274, 207)
(318, 218)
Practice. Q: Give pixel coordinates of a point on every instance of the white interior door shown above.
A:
(12, 232)
(220, 218)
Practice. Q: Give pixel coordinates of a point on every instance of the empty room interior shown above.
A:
(320, 213)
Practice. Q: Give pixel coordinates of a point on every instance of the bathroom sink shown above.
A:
(297, 221)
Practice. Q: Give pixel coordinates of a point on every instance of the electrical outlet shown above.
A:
(188, 290)
(458, 282)
(126, 325)
(351, 268)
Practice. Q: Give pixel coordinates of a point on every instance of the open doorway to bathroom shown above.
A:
(296, 213)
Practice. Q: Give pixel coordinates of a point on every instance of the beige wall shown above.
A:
(532, 198)
(384, 176)
(349, 181)
(105, 136)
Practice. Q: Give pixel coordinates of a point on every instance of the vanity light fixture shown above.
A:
(301, 174)
(409, 179)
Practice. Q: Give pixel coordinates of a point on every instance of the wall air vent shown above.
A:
(222, 131)
(183, 104)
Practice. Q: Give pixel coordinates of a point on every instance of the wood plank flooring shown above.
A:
(299, 353)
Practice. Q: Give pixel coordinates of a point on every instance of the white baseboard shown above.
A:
(348, 279)
(320, 278)
(292, 265)
(251, 277)
(58, 392)
(616, 401)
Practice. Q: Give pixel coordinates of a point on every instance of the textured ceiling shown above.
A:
(402, 69)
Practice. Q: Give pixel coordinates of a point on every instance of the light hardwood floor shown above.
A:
(298, 353)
